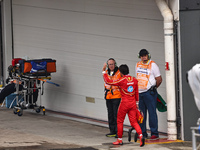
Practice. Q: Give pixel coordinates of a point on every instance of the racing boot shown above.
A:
(118, 142)
(142, 140)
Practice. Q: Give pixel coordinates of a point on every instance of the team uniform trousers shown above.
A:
(127, 107)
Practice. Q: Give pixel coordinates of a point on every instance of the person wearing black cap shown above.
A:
(149, 79)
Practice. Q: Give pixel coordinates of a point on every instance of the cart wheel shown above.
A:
(20, 113)
(38, 110)
(43, 111)
(15, 111)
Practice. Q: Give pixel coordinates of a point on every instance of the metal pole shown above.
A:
(193, 140)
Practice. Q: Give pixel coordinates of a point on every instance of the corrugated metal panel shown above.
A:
(81, 36)
(189, 5)
(190, 56)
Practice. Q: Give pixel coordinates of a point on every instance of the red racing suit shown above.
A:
(128, 86)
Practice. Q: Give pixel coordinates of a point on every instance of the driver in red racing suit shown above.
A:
(128, 86)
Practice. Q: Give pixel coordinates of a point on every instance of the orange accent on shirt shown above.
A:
(143, 74)
(115, 89)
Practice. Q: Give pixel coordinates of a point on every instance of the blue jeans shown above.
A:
(148, 101)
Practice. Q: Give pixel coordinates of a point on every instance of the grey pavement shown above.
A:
(57, 131)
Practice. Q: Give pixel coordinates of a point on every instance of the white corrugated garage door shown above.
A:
(81, 35)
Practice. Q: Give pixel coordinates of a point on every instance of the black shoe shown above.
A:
(111, 135)
(129, 134)
(136, 137)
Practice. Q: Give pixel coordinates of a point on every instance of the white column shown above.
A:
(170, 69)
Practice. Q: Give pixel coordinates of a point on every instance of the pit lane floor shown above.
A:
(57, 131)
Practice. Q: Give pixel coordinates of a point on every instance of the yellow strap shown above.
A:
(46, 78)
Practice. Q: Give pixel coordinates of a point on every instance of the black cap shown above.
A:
(143, 52)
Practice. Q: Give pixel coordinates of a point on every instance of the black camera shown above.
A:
(153, 90)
